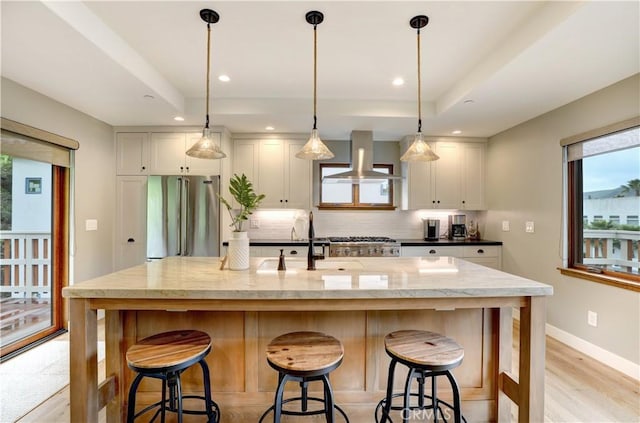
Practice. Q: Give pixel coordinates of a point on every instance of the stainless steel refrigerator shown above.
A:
(183, 216)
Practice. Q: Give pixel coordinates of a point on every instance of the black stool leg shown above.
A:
(456, 397)
(163, 404)
(277, 410)
(211, 407)
(387, 404)
(406, 409)
(131, 409)
(328, 399)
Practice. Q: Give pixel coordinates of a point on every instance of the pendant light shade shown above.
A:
(206, 147)
(419, 151)
(314, 149)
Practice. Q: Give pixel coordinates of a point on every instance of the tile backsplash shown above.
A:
(278, 224)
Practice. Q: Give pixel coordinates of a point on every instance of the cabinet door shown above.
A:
(167, 154)
(132, 154)
(271, 171)
(447, 176)
(245, 160)
(431, 251)
(204, 167)
(418, 186)
(297, 182)
(131, 218)
(473, 177)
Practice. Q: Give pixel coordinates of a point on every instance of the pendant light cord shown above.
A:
(315, 72)
(208, 70)
(419, 87)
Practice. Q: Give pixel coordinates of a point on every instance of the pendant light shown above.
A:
(314, 149)
(206, 147)
(419, 151)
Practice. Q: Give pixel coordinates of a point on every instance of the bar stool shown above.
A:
(427, 355)
(304, 357)
(165, 356)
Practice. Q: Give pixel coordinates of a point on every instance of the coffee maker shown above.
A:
(431, 229)
(458, 226)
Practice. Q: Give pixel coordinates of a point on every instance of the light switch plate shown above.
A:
(505, 226)
(592, 318)
(529, 227)
(254, 223)
(91, 225)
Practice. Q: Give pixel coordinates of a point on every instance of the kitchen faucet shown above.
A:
(311, 255)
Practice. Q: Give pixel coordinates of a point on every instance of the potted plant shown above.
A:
(248, 201)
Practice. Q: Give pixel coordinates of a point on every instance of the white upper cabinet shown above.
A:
(473, 177)
(274, 170)
(161, 153)
(132, 153)
(455, 181)
(446, 174)
(167, 151)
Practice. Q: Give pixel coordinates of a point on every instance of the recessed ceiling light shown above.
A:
(269, 128)
(456, 132)
(149, 97)
(224, 78)
(469, 101)
(179, 118)
(398, 82)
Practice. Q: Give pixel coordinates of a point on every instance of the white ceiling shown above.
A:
(515, 60)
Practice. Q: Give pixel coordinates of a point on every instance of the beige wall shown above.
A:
(94, 171)
(524, 183)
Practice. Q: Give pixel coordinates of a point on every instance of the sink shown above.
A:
(300, 264)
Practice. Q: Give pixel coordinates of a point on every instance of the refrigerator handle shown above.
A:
(179, 228)
(187, 219)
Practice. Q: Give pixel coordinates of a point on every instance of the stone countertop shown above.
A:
(337, 278)
(403, 242)
(445, 242)
(283, 242)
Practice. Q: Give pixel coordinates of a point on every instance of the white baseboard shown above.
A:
(608, 358)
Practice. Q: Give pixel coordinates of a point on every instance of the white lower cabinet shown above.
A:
(486, 255)
(131, 221)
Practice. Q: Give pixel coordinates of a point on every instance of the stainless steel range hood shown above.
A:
(361, 162)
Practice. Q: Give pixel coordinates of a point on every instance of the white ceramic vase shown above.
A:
(238, 252)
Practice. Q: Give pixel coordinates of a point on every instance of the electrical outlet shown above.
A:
(91, 225)
(592, 318)
(529, 227)
(505, 226)
(255, 224)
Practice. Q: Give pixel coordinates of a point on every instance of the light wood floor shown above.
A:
(577, 389)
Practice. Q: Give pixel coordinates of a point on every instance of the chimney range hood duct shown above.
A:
(361, 162)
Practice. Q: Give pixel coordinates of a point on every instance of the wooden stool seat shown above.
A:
(176, 349)
(165, 356)
(427, 355)
(304, 357)
(305, 353)
(425, 349)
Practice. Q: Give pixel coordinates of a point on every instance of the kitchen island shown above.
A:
(357, 300)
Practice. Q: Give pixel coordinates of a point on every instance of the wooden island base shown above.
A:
(358, 301)
(241, 376)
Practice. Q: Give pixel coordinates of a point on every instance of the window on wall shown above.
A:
(603, 181)
(372, 194)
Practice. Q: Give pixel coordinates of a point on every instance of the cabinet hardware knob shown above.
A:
(131, 240)
(434, 201)
(462, 201)
(293, 252)
(432, 251)
(281, 201)
(143, 167)
(286, 201)
(481, 251)
(438, 201)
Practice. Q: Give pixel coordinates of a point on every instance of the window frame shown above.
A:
(575, 218)
(355, 204)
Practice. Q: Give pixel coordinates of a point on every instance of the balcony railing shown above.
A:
(25, 264)
(615, 249)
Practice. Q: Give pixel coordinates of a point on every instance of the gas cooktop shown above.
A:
(363, 246)
(361, 239)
